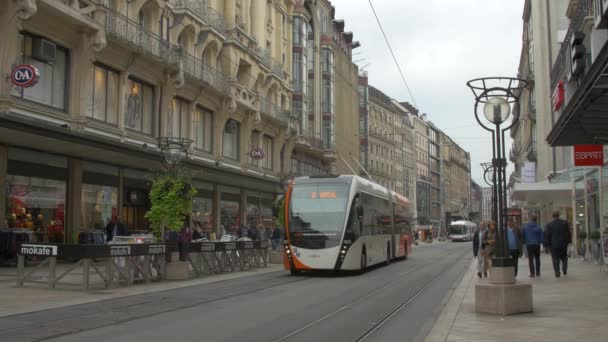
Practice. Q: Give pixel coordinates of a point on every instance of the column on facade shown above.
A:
(258, 22)
(12, 14)
(74, 199)
(229, 13)
(246, 131)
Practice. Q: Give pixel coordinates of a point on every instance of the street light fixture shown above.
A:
(497, 94)
(173, 151)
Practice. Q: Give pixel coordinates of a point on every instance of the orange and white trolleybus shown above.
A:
(343, 223)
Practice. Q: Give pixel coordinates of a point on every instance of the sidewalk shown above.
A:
(570, 308)
(36, 297)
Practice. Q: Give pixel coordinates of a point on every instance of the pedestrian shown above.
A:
(558, 239)
(115, 228)
(478, 248)
(514, 240)
(533, 237)
(489, 242)
(276, 237)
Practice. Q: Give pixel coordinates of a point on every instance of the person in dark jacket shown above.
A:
(478, 247)
(558, 238)
(533, 237)
(514, 241)
(115, 228)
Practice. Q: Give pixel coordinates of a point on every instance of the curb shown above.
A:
(442, 326)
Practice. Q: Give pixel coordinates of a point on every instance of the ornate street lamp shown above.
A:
(497, 94)
(173, 152)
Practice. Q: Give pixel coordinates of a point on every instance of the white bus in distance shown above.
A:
(343, 223)
(461, 230)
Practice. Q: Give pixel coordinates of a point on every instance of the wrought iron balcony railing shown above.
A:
(205, 13)
(274, 111)
(197, 69)
(123, 29)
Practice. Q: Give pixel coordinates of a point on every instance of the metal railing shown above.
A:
(561, 65)
(274, 111)
(271, 63)
(121, 28)
(199, 70)
(207, 14)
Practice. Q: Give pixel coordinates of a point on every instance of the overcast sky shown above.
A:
(440, 45)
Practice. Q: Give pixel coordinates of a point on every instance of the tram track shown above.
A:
(385, 318)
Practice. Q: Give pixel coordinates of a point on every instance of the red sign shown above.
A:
(588, 155)
(25, 76)
(558, 96)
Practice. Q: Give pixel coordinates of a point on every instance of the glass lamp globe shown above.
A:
(173, 156)
(497, 110)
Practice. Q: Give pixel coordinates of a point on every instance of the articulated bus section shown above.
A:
(343, 223)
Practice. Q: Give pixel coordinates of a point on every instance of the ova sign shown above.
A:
(25, 76)
(256, 153)
(589, 155)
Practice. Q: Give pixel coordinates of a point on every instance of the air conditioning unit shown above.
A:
(43, 50)
(231, 126)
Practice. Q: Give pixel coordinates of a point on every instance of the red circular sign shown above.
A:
(256, 153)
(25, 76)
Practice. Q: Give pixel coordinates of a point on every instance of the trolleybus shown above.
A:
(461, 230)
(343, 223)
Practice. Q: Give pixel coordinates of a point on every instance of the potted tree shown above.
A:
(595, 244)
(171, 203)
(582, 248)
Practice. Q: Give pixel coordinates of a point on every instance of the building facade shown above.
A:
(456, 172)
(475, 209)
(486, 204)
(381, 139)
(80, 146)
(435, 166)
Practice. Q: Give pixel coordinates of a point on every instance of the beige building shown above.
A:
(382, 131)
(325, 91)
(456, 176)
(80, 146)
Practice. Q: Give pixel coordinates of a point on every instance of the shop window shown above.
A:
(268, 147)
(140, 107)
(231, 139)
(230, 214)
(202, 210)
(202, 125)
(252, 212)
(99, 195)
(52, 62)
(103, 98)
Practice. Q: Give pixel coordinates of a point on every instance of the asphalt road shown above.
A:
(398, 302)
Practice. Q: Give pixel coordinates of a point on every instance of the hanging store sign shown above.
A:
(558, 97)
(256, 153)
(25, 76)
(589, 155)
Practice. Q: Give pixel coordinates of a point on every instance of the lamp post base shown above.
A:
(504, 300)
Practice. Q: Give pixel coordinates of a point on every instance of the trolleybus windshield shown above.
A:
(317, 214)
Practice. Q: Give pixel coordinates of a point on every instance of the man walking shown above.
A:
(558, 239)
(533, 237)
(514, 240)
(478, 248)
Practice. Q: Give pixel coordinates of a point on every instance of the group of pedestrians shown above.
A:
(556, 237)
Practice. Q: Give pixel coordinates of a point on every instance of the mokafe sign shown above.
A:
(41, 250)
(589, 155)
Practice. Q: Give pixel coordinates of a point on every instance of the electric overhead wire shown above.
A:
(392, 53)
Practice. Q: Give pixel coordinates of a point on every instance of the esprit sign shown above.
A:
(589, 155)
(41, 250)
(25, 76)
(256, 153)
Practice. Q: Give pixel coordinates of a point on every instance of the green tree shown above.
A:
(171, 202)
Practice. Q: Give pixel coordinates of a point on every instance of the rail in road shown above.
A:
(377, 325)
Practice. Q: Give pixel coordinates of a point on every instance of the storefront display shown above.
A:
(99, 195)
(230, 213)
(202, 210)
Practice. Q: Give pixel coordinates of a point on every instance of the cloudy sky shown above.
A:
(440, 45)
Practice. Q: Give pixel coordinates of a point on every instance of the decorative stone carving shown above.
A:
(25, 9)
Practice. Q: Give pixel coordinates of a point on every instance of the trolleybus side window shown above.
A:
(354, 226)
(377, 216)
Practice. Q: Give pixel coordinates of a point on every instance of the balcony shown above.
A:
(128, 32)
(582, 15)
(273, 111)
(386, 137)
(272, 64)
(379, 172)
(204, 73)
(206, 15)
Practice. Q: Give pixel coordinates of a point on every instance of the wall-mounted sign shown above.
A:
(589, 155)
(558, 96)
(257, 153)
(25, 75)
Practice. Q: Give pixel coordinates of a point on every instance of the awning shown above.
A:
(537, 194)
(585, 118)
